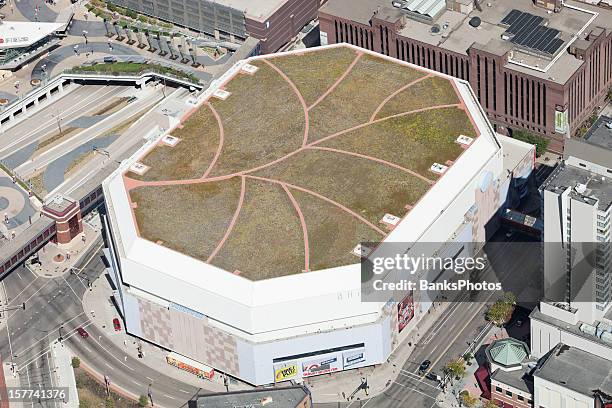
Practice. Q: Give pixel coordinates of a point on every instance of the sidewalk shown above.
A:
(101, 311)
(11, 380)
(56, 260)
(330, 389)
(62, 358)
(450, 398)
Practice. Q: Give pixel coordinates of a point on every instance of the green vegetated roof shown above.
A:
(300, 163)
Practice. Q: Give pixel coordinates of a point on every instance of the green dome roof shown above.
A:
(508, 352)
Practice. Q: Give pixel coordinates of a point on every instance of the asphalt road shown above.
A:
(51, 304)
(87, 134)
(461, 326)
(80, 102)
(54, 309)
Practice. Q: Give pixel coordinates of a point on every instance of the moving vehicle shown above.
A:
(82, 332)
(424, 365)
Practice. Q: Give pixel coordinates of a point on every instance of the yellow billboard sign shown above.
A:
(286, 372)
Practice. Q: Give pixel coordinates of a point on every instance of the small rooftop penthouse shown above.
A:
(587, 166)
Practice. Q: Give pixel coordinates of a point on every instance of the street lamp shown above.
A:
(58, 118)
(150, 395)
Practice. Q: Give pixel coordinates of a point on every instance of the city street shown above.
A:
(455, 332)
(54, 309)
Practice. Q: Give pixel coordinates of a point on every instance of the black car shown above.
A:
(424, 365)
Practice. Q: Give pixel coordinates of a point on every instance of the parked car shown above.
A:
(116, 324)
(424, 365)
(518, 323)
(82, 332)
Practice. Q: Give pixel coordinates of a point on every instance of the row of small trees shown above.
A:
(499, 314)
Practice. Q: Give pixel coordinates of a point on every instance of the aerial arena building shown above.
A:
(233, 238)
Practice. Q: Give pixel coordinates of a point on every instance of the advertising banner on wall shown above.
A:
(352, 358)
(191, 366)
(323, 36)
(285, 371)
(405, 311)
(561, 121)
(322, 365)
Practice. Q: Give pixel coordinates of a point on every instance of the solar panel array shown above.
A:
(526, 30)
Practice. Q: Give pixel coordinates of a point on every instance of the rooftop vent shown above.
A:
(139, 168)
(390, 219)
(475, 22)
(435, 28)
(362, 250)
(249, 69)
(170, 140)
(438, 168)
(580, 188)
(464, 140)
(221, 94)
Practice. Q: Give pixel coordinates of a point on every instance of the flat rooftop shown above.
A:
(297, 163)
(258, 10)
(600, 134)
(573, 329)
(520, 379)
(287, 397)
(457, 35)
(577, 370)
(566, 176)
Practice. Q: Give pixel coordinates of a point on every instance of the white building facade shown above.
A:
(293, 327)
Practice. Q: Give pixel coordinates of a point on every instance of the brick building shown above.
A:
(542, 67)
(509, 367)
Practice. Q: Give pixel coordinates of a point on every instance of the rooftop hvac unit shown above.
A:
(580, 188)
(588, 329)
(607, 337)
(438, 168)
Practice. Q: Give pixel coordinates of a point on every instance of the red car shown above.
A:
(116, 324)
(82, 332)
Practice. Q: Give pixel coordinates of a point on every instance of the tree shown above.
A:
(143, 401)
(610, 94)
(110, 403)
(76, 362)
(490, 404)
(455, 368)
(467, 357)
(468, 399)
(501, 311)
(509, 298)
(83, 403)
(540, 142)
